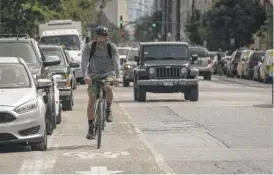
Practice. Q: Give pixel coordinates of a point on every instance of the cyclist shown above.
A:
(100, 60)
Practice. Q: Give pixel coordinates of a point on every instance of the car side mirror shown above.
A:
(52, 60)
(194, 58)
(43, 83)
(74, 64)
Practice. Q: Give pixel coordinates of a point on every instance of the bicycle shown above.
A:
(220, 69)
(100, 111)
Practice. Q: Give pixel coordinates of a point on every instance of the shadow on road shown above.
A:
(14, 148)
(151, 101)
(72, 147)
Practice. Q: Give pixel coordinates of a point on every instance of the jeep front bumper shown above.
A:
(168, 82)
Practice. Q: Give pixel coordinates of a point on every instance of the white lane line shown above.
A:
(159, 158)
(40, 161)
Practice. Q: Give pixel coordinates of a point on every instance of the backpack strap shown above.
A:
(92, 50)
(109, 50)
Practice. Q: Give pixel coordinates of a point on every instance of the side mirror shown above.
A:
(43, 83)
(194, 58)
(52, 60)
(74, 64)
(136, 58)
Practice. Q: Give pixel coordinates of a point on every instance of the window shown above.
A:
(13, 76)
(165, 51)
(23, 50)
(201, 52)
(71, 42)
(54, 52)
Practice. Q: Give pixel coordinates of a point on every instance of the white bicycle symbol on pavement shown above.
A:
(86, 155)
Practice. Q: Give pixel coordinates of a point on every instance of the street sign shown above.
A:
(98, 170)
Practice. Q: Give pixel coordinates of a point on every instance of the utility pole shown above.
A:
(102, 6)
(193, 10)
(0, 16)
(178, 19)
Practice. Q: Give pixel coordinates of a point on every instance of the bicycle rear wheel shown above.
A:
(99, 123)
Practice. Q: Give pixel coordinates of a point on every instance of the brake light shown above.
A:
(68, 81)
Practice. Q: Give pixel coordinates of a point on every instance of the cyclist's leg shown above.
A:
(92, 93)
(108, 87)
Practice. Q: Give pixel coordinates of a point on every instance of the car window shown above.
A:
(132, 54)
(54, 52)
(165, 51)
(71, 42)
(123, 51)
(13, 76)
(257, 56)
(37, 49)
(198, 51)
(69, 58)
(17, 49)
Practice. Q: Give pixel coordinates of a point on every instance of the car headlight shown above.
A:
(26, 107)
(127, 66)
(184, 70)
(151, 70)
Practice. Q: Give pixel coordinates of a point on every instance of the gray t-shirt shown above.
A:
(101, 64)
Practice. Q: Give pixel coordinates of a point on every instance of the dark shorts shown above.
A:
(93, 88)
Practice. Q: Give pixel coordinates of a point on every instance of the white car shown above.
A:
(22, 107)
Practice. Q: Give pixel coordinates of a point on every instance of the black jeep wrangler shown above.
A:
(165, 67)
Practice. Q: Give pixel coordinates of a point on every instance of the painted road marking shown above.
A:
(98, 170)
(86, 155)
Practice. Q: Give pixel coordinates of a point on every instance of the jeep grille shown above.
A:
(165, 73)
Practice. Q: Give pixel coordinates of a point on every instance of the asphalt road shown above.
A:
(229, 130)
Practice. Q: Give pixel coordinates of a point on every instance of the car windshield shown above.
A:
(131, 55)
(13, 76)
(71, 42)
(123, 51)
(257, 56)
(163, 52)
(54, 52)
(198, 51)
(18, 49)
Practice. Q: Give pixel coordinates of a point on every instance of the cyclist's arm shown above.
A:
(116, 59)
(85, 59)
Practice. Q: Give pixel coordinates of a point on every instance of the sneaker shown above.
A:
(109, 117)
(90, 135)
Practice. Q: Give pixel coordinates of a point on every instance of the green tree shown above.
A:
(238, 19)
(194, 28)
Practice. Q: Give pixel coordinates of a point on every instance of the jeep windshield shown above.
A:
(71, 42)
(23, 50)
(165, 52)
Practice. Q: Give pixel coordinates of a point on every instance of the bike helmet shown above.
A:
(102, 31)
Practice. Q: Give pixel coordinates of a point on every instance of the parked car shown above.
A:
(128, 67)
(240, 66)
(65, 69)
(266, 68)
(252, 60)
(233, 63)
(163, 67)
(204, 63)
(23, 111)
(17, 45)
(256, 69)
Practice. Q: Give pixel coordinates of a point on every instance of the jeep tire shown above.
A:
(49, 118)
(67, 104)
(135, 93)
(125, 82)
(141, 94)
(192, 93)
(59, 116)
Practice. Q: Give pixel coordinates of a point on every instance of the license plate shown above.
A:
(168, 83)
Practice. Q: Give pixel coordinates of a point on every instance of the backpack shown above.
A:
(93, 49)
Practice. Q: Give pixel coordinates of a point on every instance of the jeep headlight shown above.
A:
(184, 70)
(27, 107)
(151, 70)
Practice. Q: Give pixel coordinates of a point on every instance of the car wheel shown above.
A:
(207, 77)
(135, 93)
(49, 119)
(67, 104)
(141, 94)
(82, 81)
(74, 84)
(42, 145)
(186, 94)
(59, 117)
(125, 83)
(193, 93)
(54, 117)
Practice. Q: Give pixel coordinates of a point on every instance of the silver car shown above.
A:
(22, 108)
(128, 67)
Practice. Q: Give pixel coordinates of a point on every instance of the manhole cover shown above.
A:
(264, 105)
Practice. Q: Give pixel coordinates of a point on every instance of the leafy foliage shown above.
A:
(24, 16)
(227, 19)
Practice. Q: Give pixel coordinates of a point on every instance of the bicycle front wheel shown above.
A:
(99, 123)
